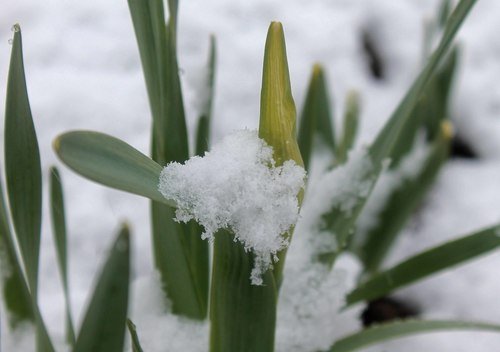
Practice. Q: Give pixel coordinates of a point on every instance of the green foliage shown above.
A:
(395, 330)
(180, 254)
(103, 328)
(244, 321)
(427, 263)
(60, 239)
(242, 316)
(316, 118)
(22, 165)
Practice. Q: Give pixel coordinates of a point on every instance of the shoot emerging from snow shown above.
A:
(237, 186)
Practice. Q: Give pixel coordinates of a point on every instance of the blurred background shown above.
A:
(83, 72)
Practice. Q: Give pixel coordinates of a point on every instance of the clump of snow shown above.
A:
(237, 186)
(389, 181)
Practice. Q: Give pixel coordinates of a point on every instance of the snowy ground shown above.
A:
(84, 73)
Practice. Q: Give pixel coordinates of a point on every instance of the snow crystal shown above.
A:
(237, 186)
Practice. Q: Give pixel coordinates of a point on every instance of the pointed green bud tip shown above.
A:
(317, 70)
(277, 108)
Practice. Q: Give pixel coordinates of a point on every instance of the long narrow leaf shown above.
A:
(103, 328)
(183, 266)
(316, 117)
(341, 223)
(136, 345)
(242, 315)
(59, 229)
(382, 333)
(349, 128)
(111, 162)
(402, 202)
(22, 165)
(16, 295)
(203, 129)
(426, 264)
(180, 255)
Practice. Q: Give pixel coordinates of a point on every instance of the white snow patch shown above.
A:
(237, 186)
(157, 328)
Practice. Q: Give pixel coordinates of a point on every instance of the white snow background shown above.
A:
(83, 72)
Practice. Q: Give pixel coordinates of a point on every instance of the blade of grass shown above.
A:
(277, 124)
(316, 116)
(59, 229)
(384, 143)
(342, 223)
(385, 332)
(136, 345)
(402, 203)
(16, 295)
(157, 46)
(22, 166)
(427, 263)
(203, 129)
(242, 315)
(350, 127)
(103, 328)
(111, 162)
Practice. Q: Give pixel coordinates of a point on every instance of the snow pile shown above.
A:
(237, 186)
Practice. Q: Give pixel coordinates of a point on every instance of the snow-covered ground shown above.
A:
(84, 72)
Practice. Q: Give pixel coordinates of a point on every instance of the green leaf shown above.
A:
(16, 295)
(111, 162)
(242, 315)
(103, 328)
(316, 117)
(157, 47)
(180, 254)
(426, 264)
(22, 165)
(181, 257)
(203, 129)
(382, 333)
(277, 124)
(350, 127)
(401, 204)
(136, 345)
(385, 141)
(59, 229)
(342, 223)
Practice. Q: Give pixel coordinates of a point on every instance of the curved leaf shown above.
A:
(427, 263)
(111, 162)
(381, 333)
